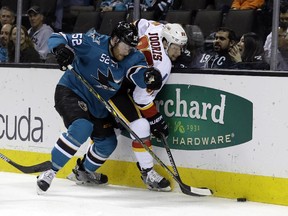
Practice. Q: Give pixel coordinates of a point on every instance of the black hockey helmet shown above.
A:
(127, 33)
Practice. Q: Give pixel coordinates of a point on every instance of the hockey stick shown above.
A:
(188, 189)
(184, 188)
(28, 169)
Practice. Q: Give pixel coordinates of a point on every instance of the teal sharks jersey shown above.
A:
(95, 63)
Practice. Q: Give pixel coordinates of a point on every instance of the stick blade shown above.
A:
(46, 165)
(192, 191)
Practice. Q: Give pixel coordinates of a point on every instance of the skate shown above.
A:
(80, 176)
(44, 181)
(153, 180)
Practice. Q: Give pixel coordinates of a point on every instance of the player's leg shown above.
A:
(152, 179)
(104, 143)
(76, 118)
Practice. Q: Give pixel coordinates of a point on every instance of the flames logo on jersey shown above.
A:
(107, 82)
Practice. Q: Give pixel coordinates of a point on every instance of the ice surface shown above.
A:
(18, 197)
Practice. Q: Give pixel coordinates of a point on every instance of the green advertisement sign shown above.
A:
(202, 118)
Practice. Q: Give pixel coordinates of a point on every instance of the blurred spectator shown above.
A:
(247, 4)
(160, 7)
(4, 39)
(249, 53)
(68, 10)
(59, 16)
(190, 58)
(39, 31)
(7, 15)
(28, 54)
(114, 5)
(224, 40)
(282, 52)
(222, 5)
(79, 2)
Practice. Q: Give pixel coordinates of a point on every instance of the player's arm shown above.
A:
(144, 87)
(58, 45)
(148, 78)
(64, 46)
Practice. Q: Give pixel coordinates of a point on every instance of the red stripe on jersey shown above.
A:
(136, 144)
(149, 111)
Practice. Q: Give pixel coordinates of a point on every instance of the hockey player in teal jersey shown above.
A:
(103, 61)
(139, 109)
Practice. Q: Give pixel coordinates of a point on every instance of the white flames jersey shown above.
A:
(150, 43)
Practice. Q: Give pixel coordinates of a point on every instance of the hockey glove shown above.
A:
(153, 79)
(64, 56)
(158, 125)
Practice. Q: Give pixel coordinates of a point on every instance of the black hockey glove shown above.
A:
(64, 56)
(158, 125)
(153, 79)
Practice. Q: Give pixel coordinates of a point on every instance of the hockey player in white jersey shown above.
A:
(160, 44)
